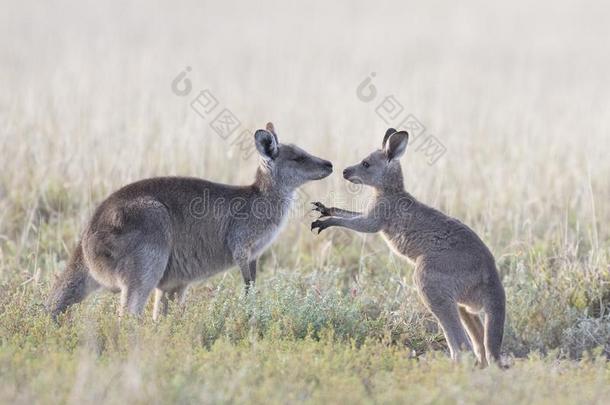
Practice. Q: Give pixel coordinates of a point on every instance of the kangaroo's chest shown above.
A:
(266, 229)
(407, 236)
(266, 235)
(401, 244)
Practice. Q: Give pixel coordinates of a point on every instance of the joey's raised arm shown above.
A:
(361, 223)
(333, 211)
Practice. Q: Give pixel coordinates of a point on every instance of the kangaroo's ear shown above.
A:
(266, 144)
(396, 145)
(389, 132)
(271, 129)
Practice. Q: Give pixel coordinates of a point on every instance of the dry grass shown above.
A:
(517, 94)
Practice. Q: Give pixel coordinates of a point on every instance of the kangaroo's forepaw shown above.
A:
(320, 225)
(321, 208)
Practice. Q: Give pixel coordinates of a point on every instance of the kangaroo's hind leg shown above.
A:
(162, 299)
(141, 270)
(474, 327)
(449, 319)
(445, 309)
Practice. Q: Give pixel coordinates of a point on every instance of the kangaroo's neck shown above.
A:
(266, 183)
(393, 184)
(392, 192)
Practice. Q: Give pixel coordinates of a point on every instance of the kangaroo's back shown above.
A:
(193, 215)
(423, 230)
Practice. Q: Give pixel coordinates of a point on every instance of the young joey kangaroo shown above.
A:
(455, 273)
(164, 233)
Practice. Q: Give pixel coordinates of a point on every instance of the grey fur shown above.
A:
(164, 233)
(455, 273)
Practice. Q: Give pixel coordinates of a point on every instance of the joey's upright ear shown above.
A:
(266, 144)
(396, 145)
(389, 132)
(271, 129)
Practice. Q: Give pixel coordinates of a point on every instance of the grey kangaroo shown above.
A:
(165, 233)
(455, 273)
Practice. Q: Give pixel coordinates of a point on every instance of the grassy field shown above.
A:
(518, 96)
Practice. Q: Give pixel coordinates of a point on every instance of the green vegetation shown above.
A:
(316, 332)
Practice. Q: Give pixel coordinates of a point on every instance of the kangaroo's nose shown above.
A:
(345, 172)
(328, 164)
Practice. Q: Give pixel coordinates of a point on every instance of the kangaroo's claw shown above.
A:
(317, 206)
(318, 224)
(321, 208)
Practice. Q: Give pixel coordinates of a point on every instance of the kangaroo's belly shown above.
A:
(190, 263)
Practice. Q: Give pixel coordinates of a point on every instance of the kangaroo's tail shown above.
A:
(72, 286)
(495, 314)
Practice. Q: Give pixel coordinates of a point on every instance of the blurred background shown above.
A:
(517, 93)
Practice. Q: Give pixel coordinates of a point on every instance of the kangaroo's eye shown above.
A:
(300, 159)
(365, 164)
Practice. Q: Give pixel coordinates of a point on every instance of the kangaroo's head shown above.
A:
(381, 169)
(288, 165)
